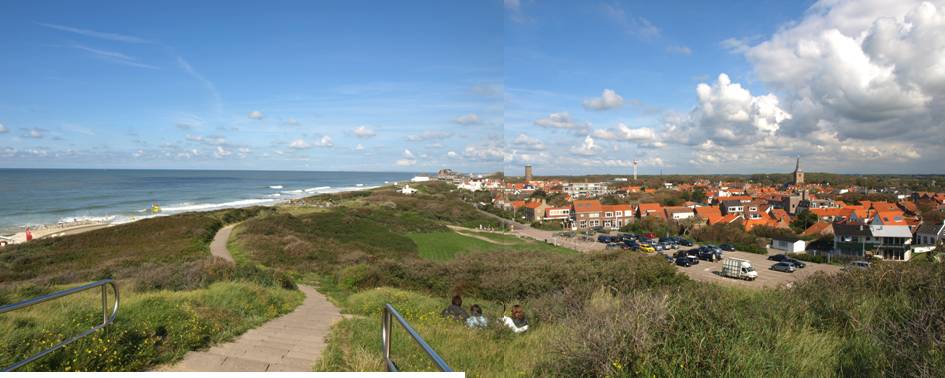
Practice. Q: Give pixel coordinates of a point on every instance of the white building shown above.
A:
(407, 190)
(420, 179)
(789, 245)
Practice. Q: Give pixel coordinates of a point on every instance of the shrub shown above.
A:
(358, 276)
(615, 332)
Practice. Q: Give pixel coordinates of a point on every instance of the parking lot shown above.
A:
(710, 271)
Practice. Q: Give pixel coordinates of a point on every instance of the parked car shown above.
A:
(783, 267)
(859, 264)
(628, 237)
(647, 248)
(708, 254)
(690, 255)
(603, 239)
(632, 244)
(658, 246)
(649, 235)
(613, 246)
(727, 247)
(796, 262)
(684, 242)
(777, 257)
(683, 261)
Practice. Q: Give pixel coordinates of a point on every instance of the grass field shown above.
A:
(446, 245)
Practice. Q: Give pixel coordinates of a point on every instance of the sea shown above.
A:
(32, 197)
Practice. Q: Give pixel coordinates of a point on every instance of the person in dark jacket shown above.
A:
(455, 310)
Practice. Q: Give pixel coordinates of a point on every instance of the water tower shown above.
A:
(528, 173)
(635, 170)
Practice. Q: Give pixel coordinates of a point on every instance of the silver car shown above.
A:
(785, 267)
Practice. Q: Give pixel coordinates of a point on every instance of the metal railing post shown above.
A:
(106, 317)
(389, 314)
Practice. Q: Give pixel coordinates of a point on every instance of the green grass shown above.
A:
(446, 245)
(152, 327)
(491, 352)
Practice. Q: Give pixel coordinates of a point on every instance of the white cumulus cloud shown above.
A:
(467, 119)
(609, 99)
(255, 114)
(587, 148)
(364, 132)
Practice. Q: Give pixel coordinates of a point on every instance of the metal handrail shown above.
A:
(106, 317)
(386, 316)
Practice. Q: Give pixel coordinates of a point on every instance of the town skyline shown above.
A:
(480, 87)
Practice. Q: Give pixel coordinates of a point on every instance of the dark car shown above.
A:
(777, 257)
(709, 255)
(858, 265)
(684, 242)
(727, 247)
(783, 267)
(603, 239)
(628, 237)
(796, 262)
(683, 261)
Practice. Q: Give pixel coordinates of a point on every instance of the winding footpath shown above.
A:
(292, 342)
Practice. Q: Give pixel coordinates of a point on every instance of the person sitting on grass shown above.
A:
(476, 319)
(455, 310)
(517, 323)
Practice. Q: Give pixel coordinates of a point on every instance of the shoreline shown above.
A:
(41, 231)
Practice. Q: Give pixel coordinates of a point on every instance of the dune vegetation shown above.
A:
(611, 313)
(175, 297)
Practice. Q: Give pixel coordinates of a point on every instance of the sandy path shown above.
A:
(292, 342)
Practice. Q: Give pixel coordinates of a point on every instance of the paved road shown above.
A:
(218, 245)
(292, 342)
(548, 236)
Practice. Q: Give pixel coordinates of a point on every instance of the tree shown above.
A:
(803, 221)
(698, 195)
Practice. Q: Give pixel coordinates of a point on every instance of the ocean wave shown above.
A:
(297, 191)
(275, 186)
(215, 206)
(88, 219)
(317, 189)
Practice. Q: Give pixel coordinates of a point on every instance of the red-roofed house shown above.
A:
(889, 218)
(678, 212)
(649, 209)
(616, 216)
(535, 210)
(707, 214)
(819, 229)
(586, 214)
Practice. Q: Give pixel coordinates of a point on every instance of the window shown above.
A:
(609, 214)
(618, 213)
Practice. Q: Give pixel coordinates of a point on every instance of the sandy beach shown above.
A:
(57, 230)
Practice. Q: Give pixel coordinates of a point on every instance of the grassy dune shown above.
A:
(152, 328)
(175, 297)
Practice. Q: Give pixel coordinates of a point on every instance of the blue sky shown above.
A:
(570, 87)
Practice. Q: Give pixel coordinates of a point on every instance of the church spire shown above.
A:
(797, 167)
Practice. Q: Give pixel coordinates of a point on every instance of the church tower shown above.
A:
(798, 173)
